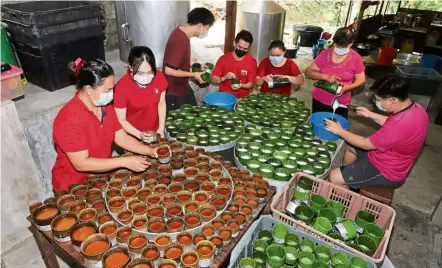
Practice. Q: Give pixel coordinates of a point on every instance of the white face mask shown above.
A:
(105, 99)
(143, 79)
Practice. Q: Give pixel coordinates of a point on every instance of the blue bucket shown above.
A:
(318, 125)
(220, 99)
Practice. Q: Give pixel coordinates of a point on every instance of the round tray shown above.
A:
(246, 123)
(151, 236)
(215, 148)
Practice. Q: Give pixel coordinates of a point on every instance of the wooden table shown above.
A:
(47, 244)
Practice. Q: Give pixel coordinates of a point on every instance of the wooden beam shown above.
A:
(231, 7)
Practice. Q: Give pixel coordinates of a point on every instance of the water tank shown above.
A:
(148, 23)
(265, 20)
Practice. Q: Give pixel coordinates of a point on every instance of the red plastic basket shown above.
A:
(353, 203)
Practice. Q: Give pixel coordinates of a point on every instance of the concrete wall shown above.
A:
(20, 183)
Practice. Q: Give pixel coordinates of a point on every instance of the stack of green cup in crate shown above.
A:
(278, 248)
(326, 216)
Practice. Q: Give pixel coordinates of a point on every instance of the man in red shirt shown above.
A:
(236, 65)
(386, 157)
(276, 65)
(176, 63)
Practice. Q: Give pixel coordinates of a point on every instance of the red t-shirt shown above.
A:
(399, 141)
(76, 129)
(266, 67)
(141, 103)
(245, 70)
(177, 57)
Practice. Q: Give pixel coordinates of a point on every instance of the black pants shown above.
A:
(174, 102)
(320, 107)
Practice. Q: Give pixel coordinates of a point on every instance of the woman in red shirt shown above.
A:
(276, 65)
(140, 96)
(86, 126)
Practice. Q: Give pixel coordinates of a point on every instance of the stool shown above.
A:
(379, 193)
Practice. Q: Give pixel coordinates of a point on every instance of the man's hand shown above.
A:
(229, 75)
(236, 86)
(333, 127)
(197, 77)
(136, 163)
(362, 111)
(332, 78)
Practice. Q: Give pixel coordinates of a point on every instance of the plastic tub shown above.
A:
(318, 125)
(353, 203)
(220, 99)
(12, 86)
(421, 81)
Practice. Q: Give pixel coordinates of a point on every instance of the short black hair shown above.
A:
(277, 44)
(344, 36)
(244, 35)
(93, 73)
(140, 54)
(200, 15)
(391, 86)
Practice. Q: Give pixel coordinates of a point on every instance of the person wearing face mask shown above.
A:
(237, 64)
(386, 157)
(338, 64)
(276, 65)
(140, 96)
(86, 127)
(176, 62)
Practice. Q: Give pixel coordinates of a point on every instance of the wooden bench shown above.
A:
(379, 193)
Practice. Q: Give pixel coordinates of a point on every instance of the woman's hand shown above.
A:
(161, 132)
(268, 78)
(136, 163)
(362, 111)
(147, 137)
(333, 127)
(154, 152)
(332, 78)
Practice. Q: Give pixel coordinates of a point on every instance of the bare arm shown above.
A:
(356, 140)
(216, 80)
(131, 144)
(314, 73)
(83, 163)
(121, 115)
(358, 81)
(259, 81)
(162, 114)
(178, 72)
(378, 118)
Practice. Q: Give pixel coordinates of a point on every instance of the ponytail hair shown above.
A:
(90, 73)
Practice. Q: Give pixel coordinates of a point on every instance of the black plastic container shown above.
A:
(309, 34)
(43, 13)
(421, 81)
(47, 67)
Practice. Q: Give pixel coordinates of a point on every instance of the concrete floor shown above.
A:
(415, 241)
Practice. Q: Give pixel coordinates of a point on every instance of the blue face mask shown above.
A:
(379, 106)
(276, 59)
(341, 51)
(204, 35)
(105, 99)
